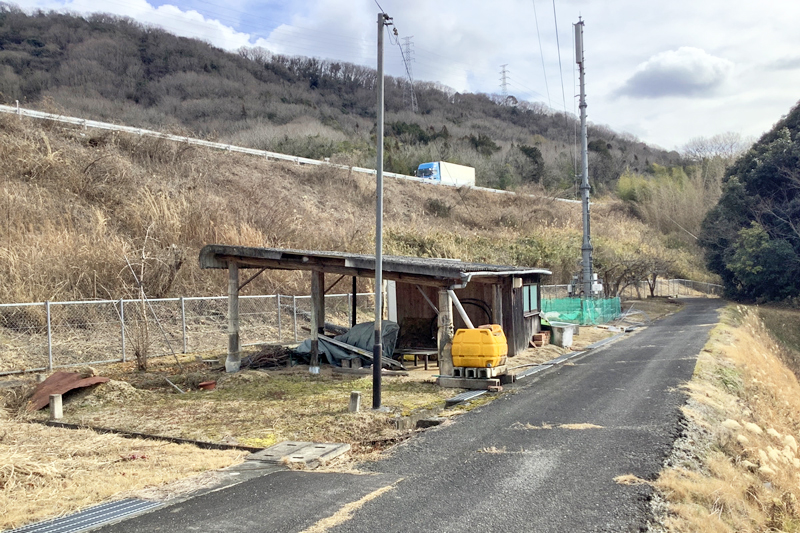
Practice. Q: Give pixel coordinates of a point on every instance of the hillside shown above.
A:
(78, 203)
(116, 70)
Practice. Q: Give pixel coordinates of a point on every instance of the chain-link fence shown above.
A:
(664, 287)
(44, 336)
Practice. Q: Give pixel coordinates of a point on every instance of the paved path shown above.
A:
(542, 459)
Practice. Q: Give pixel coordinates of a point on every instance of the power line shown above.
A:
(541, 53)
(560, 70)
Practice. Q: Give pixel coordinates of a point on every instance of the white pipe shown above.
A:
(461, 311)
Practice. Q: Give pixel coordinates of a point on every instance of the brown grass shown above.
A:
(745, 401)
(47, 472)
(77, 203)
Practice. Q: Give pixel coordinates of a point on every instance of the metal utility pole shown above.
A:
(377, 349)
(586, 247)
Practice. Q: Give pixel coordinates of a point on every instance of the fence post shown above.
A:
(280, 328)
(183, 323)
(49, 338)
(122, 325)
(294, 316)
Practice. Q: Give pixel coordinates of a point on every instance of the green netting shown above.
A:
(581, 311)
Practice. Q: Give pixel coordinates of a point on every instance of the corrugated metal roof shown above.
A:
(218, 256)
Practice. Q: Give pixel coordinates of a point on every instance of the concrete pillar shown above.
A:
(317, 317)
(445, 334)
(234, 360)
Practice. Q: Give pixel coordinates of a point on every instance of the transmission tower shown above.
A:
(408, 57)
(504, 82)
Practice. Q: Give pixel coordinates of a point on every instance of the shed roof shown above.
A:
(429, 271)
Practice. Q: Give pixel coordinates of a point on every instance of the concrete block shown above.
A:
(355, 401)
(56, 407)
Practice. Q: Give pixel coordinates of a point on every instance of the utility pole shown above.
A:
(377, 349)
(504, 82)
(586, 247)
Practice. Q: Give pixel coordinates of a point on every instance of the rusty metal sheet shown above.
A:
(60, 383)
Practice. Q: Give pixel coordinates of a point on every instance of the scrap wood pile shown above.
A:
(271, 356)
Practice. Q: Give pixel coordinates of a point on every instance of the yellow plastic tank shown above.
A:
(483, 347)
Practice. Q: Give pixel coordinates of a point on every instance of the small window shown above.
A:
(530, 299)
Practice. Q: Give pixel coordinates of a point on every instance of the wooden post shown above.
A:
(497, 304)
(508, 323)
(354, 311)
(445, 334)
(317, 317)
(234, 361)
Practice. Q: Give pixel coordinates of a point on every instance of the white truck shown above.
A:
(446, 173)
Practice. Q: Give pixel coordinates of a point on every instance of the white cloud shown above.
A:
(186, 23)
(686, 71)
(462, 43)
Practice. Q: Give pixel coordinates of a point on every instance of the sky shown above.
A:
(666, 72)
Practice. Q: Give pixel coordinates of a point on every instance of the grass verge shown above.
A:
(738, 466)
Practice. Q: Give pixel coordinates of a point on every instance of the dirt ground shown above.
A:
(255, 407)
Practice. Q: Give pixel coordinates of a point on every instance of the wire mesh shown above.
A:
(206, 322)
(23, 337)
(85, 333)
(37, 336)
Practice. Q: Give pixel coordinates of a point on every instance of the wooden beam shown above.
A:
(331, 268)
(334, 283)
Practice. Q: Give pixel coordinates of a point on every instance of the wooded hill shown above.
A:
(79, 203)
(113, 69)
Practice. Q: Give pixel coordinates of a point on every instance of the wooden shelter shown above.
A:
(425, 292)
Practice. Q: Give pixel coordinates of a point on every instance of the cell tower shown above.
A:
(504, 82)
(408, 57)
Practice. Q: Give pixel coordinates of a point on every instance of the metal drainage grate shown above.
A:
(89, 518)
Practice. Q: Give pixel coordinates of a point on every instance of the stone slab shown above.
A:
(308, 453)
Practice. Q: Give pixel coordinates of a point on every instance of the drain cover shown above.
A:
(90, 518)
(309, 453)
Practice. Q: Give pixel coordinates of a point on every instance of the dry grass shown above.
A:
(77, 203)
(252, 408)
(47, 472)
(745, 401)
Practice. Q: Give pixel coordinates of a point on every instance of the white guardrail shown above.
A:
(85, 123)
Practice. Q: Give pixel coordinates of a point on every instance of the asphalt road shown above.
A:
(542, 459)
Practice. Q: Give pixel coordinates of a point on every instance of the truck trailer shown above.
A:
(445, 173)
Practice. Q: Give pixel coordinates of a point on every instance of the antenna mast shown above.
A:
(586, 247)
